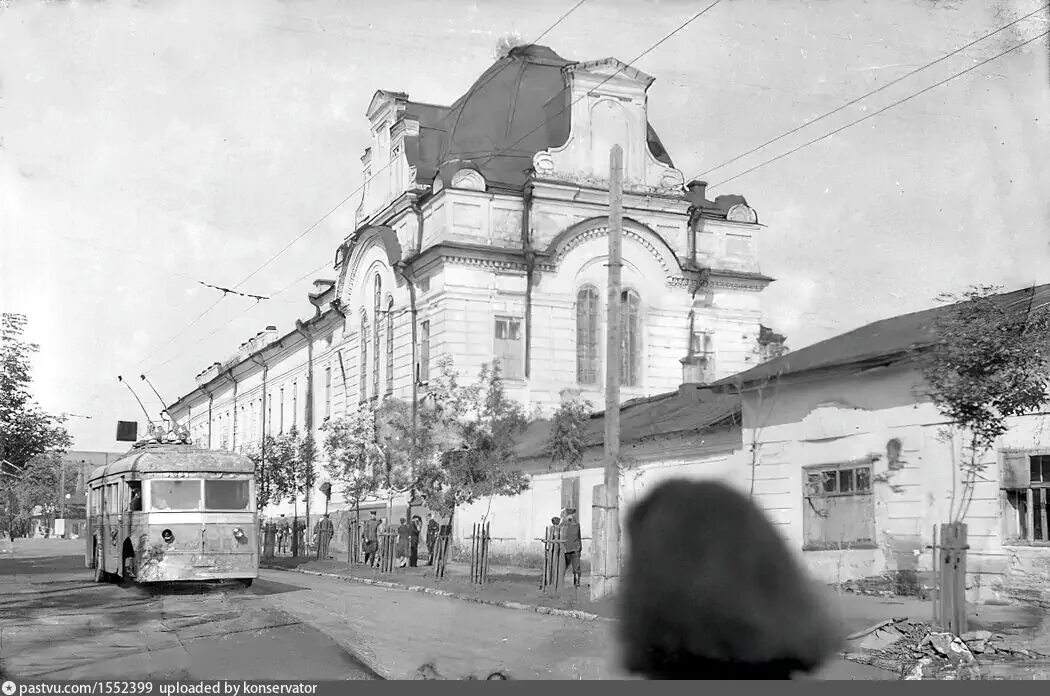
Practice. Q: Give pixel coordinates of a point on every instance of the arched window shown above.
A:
(631, 348)
(588, 312)
(362, 386)
(375, 348)
(390, 346)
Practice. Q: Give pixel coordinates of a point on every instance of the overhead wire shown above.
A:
(882, 110)
(324, 217)
(889, 84)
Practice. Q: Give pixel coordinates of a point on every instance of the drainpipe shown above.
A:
(305, 333)
(211, 400)
(530, 270)
(693, 225)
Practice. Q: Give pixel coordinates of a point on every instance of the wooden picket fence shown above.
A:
(354, 552)
(553, 559)
(949, 552)
(442, 551)
(479, 553)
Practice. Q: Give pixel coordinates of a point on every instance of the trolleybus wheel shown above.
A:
(128, 566)
(247, 582)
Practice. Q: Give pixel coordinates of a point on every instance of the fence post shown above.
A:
(953, 577)
(485, 555)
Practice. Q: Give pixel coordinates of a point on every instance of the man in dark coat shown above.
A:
(413, 540)
(324, 530)
(370, 538)
(710, 590)
(432, 537)
(572, 544)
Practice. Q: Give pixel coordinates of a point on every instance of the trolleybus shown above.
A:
(170, 512)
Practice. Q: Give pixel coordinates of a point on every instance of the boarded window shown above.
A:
(509, 347)
(587, 314)
(1025, 484)
(423, 368)
(226, 494)
(838, 507)
(631, 350)
(184, 494)
(570, 493)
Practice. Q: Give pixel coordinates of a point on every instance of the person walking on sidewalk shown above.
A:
(413, 541)
(370, 537)
(283, 534)
(324, 529)
(432, 537)
(572, 545)
(384, 542)
(403, 534)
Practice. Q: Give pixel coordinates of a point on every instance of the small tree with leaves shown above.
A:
(989, 362)
(355, 461)
(486, 423)
(568, 436)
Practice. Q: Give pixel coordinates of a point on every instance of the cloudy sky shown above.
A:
(147, 145)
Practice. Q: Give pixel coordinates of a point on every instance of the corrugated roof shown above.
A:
(690, 408)
(887, 338)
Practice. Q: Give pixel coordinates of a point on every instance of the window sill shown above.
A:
(859, 546)
(1020, 543)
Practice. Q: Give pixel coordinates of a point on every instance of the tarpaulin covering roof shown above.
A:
(518, 107)
(895, 336)
(689, 409)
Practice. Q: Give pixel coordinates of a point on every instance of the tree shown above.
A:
(507, 42)
(568, 436)
(483, 464)
(988, 363)
(31, 440)
(355, 461)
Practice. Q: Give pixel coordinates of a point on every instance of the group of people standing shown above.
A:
(571, 539)
(406, 544)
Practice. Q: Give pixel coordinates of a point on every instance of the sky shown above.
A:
(146, 146)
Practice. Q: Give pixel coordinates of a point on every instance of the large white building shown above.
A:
(482, 234)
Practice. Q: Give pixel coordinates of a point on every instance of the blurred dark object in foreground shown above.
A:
(711, 591)
(428, 672)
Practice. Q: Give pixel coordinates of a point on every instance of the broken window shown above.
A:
(1025, 486)
(838, 507)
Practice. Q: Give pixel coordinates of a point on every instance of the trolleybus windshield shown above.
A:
(226, 494)
(181, 494)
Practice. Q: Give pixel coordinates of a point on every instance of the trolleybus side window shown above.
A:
(135, 496)
(111, 502)
(226, 494)
(181, 494)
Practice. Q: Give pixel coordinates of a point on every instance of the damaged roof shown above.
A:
(516, 108)
(889, 339)
(690, 408)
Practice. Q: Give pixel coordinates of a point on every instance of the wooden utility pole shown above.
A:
(606, 520)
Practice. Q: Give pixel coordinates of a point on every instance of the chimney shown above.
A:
(697, 194)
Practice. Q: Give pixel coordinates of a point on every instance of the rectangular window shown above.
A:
(838, 507)
(1025, 487)
(362, 387)
(423, 368)
(280, 414)
(226, 494)
(327, 392)
(181, 494)
(510, 347)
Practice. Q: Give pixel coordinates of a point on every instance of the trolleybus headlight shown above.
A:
(239, 534)
(167, 536)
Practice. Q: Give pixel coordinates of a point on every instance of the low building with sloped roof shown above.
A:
(847, 456)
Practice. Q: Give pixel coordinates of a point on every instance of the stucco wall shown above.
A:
(852, 418)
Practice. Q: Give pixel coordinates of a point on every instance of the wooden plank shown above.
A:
(1030, 517)
(1043, 514)
(961, 546)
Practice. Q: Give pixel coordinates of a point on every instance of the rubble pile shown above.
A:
(916, 651)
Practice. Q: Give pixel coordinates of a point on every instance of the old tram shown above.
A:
(171, 512)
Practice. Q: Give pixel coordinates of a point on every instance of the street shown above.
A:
(56, 623)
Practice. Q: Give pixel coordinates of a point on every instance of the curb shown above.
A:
(567, 613)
